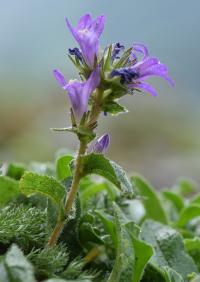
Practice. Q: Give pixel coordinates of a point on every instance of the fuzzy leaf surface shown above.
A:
(98, 164)
(32, 183)
(169, 248)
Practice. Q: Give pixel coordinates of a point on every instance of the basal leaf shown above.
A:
(108, 225)
(123, 269)
(192, 246)
(151, 202)
(62, 167)
(171, 275)
(18, 267)
(188, 214)
(143, 253)
(175, 199)
(98, 164)
(15, 170)
(32, 183)
(9, 189)
(168, 247)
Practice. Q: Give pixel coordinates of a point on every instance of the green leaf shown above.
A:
(62, 167)
(175, 199)
(151, 202)
(32, 183)
(87, 233)
(98, 164)
(114, 88)
(15, 170)
(168, 247)
(192, 246)
(185, 187)
(188, 214)
(9, 189)
(171, 275)
(113, 108)
(108, 225)
(123, 269)
(88, 194)
(143, 253)
(195, 200)
(132, 253)
(18, 267)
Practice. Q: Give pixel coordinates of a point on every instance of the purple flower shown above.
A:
(101, 144)
(87, 35)
(135, 75)
(79, 92)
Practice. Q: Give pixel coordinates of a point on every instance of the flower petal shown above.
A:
(84, 22)
(144, 86)
(141, 48)
(98, 25)
(59, 77)
(92, 83)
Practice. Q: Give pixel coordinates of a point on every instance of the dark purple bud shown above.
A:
(116, 50)
(77, 53)
(101, 144)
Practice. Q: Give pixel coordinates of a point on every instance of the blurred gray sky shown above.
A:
(34, 39)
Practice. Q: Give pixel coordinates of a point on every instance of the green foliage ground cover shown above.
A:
(119, 230)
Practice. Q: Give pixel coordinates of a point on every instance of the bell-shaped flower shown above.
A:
(79, 92)
(101, 145)
(134, 75)
(87, 34)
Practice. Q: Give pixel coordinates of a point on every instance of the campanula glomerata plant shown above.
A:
(58, 223)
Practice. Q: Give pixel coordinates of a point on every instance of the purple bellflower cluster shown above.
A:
(104, 77)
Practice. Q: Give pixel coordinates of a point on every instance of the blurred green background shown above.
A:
(159, 138)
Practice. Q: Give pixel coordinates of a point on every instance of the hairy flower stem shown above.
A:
(70, 197)
(96, 109)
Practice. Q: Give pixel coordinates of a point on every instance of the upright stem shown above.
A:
(96, 109)
(70, 197)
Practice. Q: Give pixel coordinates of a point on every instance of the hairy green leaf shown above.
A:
(169, 248)
(123, 269)
(18, 267)
(32, 183)
(62, 167)
(113, 108)
(98, 164)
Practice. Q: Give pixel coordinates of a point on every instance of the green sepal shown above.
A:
(123, 60)
(113, 108)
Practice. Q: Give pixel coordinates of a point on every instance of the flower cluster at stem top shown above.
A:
(105, 76)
